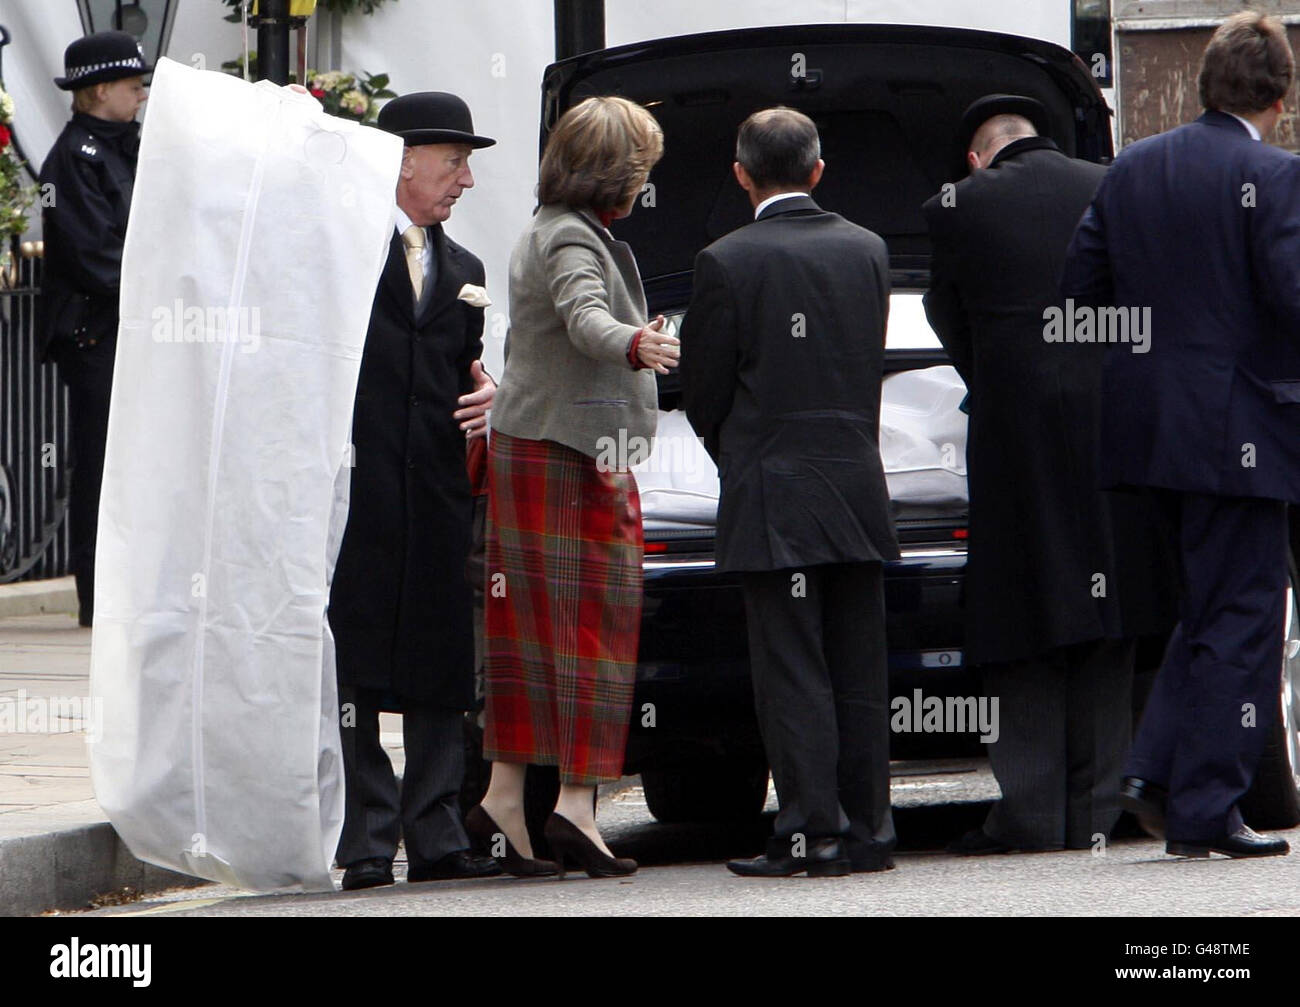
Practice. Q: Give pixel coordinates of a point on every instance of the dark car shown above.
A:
(887, 100)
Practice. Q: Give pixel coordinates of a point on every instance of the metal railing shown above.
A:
(35, 469)
(34, 458)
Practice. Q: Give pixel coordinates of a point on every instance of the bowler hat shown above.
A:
(983, 109)
(431, 117)
(102, 57)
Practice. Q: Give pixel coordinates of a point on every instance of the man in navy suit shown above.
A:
(1200, 227)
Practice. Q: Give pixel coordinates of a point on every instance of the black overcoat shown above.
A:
(400, 604)
(782, 352)
(1053, 560)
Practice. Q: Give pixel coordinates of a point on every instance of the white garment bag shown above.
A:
(258, 230)
(923, 437)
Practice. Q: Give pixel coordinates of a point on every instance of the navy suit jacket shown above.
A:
(1202, 226)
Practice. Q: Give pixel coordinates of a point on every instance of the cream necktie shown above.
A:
(413, 239)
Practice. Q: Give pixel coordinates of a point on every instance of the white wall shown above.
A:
(39, 31)
(202, 39)
(634, 20)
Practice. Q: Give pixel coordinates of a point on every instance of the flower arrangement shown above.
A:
(345, 95)
(339, 93)
(15, 197)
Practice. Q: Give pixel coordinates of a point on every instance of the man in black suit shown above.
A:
(1200, 226)
(1052, 601)
(400, 603)
(782, 349)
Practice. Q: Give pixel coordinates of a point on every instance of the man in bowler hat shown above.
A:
(1061, 578)
(91, 168)
(400, 604)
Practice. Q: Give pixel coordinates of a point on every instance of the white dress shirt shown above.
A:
(1254, 133)
(772, 199)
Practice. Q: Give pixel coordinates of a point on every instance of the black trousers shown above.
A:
(426, 813)
(1064, 721)
(1207, 719)
(821, 691)
(88, 374)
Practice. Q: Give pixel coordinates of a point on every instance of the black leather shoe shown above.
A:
(1245, 842)
(1147, 801)
(486, 835)
(373, 872)
(825, 859)
(977, 843)
(460, 864)
(568, 842)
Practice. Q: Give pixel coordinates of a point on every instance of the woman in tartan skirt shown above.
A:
(564, 546)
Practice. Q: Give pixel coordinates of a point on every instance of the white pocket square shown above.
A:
(475, 297)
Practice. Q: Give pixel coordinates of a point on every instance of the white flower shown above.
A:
(327, 81)
(355, 102)
(475, 297)
(6, 106)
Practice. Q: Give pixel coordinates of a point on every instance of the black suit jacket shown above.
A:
(1202, 226)
(400, 603)
(782, 350)
(1040, 530)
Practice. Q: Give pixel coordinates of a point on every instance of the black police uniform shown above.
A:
(92, 168)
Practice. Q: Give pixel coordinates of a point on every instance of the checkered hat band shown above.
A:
(75, 72)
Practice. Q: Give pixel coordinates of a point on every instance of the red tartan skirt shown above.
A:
(562, 609)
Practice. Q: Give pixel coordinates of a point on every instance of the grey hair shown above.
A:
(778, 147)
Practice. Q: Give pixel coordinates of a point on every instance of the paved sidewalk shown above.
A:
(57, 850)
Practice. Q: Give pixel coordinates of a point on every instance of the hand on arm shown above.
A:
(473, 412)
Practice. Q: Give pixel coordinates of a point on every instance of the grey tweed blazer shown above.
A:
(575, 304)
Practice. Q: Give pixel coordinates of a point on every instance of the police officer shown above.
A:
(92, 169)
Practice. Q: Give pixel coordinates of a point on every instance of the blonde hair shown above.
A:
(86, 99)
(599, 154)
